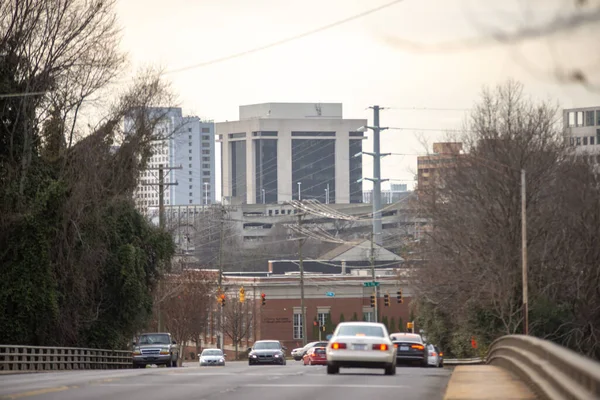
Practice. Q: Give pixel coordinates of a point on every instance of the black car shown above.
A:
(410, 348)
(266, 352)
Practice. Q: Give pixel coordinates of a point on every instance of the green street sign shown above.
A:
(370, 284)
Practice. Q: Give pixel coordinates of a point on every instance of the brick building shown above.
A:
(327, 298)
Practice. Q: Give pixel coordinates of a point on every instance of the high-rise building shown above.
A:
(187, 152)
(277, 152)
(582, 129)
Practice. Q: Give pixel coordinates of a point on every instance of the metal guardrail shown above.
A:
(463, 361)
(37, 358)
(552, 371)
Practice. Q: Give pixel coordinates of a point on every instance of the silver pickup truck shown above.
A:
(155, 348)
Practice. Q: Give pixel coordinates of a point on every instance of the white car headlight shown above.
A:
(222, 360)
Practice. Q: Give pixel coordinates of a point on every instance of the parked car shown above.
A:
(266, 352)
(155, 349)
(361, 345)
(411, 348)
(315, 356)
(210, 357)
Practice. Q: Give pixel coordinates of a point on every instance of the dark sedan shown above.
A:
(266, 352)
(411, 348)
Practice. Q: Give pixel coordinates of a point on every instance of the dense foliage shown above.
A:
(78, 263)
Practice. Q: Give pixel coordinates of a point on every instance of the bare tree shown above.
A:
(237, 321)
(472, 274)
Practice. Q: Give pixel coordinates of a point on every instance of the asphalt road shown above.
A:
(235, 381)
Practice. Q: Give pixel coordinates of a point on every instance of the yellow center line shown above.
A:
(36, 392)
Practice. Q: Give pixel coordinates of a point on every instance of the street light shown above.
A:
(263, 196)
(299, 191)
(205, 193)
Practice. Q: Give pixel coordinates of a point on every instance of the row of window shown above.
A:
(583, 141)
(321, 318)
(577, 118)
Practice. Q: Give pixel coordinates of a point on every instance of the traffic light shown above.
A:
(372, 300)
(264, 298)
(222, 299)
(242, 295)
(315, 323)
(399, 296)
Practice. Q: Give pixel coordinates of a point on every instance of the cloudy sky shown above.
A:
(374, 59)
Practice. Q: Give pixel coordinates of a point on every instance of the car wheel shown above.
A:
(390, 369)
(174, 364)
(332, 369)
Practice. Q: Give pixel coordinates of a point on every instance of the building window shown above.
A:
(190, 165)
(205, 130)
(322, 317)
(368, 316)
(189, 130)
(572, 141)
(237, 135)
(205, 173)
(190, 179)
(191, 186)
(191, 194)
(592, 140)
(205, 166)
(207, 159)
(190, 137)
(190, 151)
(585, 140)
(298, 325)
(578, 141)
(190, 143)
(205, 144)
(205, 151)
(191, 201)
(190, 158)
(589, 118)
(205, 137)
(205, 180)
(190, 172)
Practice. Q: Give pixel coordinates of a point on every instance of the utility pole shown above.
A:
(373, 276)
(220, 278)
(161, 221)
(300, 244)
(377, 226)
(524, 252)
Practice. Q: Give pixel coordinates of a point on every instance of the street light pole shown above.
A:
(524, 252)
(205, 193)
(263, 196)
(299, 192)
(377, 226)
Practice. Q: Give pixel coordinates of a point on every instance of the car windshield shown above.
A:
(407, 338)
(212, 353)
(266, 346)
(360, 330)
(155, 339)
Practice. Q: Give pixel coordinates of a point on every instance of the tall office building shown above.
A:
(277, 152)
(187, 142)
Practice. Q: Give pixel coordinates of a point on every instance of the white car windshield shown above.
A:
(155, 339)
(266, 346)
(360, 330)
(212, 353)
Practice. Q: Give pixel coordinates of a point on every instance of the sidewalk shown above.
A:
(485, 382)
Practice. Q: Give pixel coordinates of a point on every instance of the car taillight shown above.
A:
(338, 346)
(441, 354)
(432, 354)
(417, 347)
(396, 345)
(382, 347)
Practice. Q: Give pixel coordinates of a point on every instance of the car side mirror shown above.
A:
(224, 355)
(174, 342)
(249, 349)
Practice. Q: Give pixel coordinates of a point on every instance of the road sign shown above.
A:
(330, 294)
(370, 284)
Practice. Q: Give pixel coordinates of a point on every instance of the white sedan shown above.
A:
(361, 345)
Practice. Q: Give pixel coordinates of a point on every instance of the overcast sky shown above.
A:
(360, 63)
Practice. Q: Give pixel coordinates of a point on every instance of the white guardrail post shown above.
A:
(38, 358)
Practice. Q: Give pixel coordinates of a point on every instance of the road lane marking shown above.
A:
(36, 392)
(328, 385)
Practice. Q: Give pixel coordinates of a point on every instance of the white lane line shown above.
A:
(328, 385)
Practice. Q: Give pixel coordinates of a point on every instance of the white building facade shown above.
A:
(278, 152)
(187, 156)
(582, 129)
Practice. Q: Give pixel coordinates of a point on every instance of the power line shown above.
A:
(286, 40)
